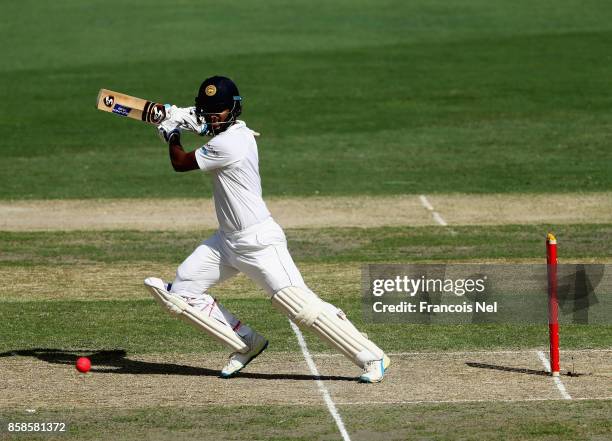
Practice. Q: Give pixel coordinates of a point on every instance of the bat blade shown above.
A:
(130, 107)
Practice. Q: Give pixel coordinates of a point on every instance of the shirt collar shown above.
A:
(237, 125)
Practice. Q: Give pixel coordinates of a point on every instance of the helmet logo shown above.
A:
(210, 90)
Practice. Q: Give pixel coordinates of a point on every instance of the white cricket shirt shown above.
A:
(232, 160)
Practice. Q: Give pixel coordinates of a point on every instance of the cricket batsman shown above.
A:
(248, 240)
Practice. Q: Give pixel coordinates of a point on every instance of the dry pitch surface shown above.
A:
(44, 380)
(315, 212)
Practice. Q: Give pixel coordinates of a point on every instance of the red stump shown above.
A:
(553, 303)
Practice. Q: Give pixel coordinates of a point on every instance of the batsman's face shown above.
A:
(215, 120)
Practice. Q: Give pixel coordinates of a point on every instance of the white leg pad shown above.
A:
(310, 312)
(178, 307)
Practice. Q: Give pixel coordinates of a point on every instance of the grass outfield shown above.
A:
(504, 421)
(421, 96)
(58, 277)
(586, 242)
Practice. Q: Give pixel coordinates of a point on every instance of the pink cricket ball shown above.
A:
(83, 364)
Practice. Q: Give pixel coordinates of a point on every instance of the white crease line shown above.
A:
(314, 371)
(517, 400)
(557, 380)
(426, 203)
(436, 216)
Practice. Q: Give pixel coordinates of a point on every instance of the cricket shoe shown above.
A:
(239, 360)
(374, 371)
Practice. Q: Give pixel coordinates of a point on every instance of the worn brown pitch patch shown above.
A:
(120, 281)
(168, 380)
(502, 209)
(592, 373)
(191, 214)
(49, 380)
(311, 212)
(100, 281)
(472, 376)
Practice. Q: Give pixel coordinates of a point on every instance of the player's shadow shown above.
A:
(520, 370)
(115, 362)
(507, 368)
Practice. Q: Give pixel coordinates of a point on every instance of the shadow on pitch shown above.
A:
(571, 373)
(508, 369)
(115, 362)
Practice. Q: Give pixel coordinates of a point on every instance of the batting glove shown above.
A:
(169, 132)
(186, 119)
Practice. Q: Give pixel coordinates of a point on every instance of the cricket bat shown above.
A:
(131, 107)
(141, 109)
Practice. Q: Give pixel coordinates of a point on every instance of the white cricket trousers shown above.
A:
(259, 251)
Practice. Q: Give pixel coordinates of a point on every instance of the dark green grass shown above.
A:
(135, 326)
(214, 422)
(328, 245)
(482, 421)
(352, 97)
(140, 326)
(474, 421)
